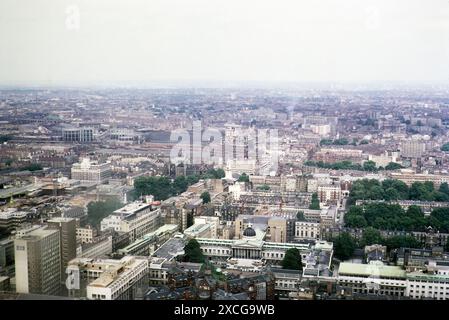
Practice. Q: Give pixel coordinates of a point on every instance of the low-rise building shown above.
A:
(307, 230)
(329, 193)
(11, 219)
(108, 279)
(374, 277)
(101, 247)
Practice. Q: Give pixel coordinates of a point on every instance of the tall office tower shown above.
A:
(38, 262)
(67, 233)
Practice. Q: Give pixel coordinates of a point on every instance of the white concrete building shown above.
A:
(11, 218)
(322, 130)
(384, 159)
(374, 277)
(107, 279)
(203, 227)
(423, 285)
(136, 218)
(236, 189)
(87, 170)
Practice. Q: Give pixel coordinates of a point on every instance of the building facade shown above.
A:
(38, 262)
(91, 171)
(137, 219)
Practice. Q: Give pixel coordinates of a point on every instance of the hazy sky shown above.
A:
(59, 42)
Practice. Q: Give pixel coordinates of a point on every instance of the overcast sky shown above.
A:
(60, 42)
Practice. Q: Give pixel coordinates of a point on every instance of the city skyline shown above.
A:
(224, 150)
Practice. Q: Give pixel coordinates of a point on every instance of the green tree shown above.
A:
(402, 188)
(444, 188)
(440, 196)
(160, 187)
(315, 203)
(97, 210)
(376, 193)
(354, 218)
(445, 147)
(300, 216)
(393, 166)
(341, 142)
(192, 179)
(219, 173)
(205, 196)
(180, 184)
(310, 163)
(421, 191)
(369, 166)
(192, 252)
(414, 212)
(344, 246)
(4, 138)
(326, 142)
(292, 260)
(214, 174)
(391, 194)
(243, 177)
(371, 236)
(33, 167)
(402, 242)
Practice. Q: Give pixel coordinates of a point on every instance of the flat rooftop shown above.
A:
(131, 209)
(9, 192)
(170, 249)
(60, 219)
(117, 271)
(38, 233)
(372, 269)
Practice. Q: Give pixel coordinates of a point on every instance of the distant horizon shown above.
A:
(136, 43)
(238, 84)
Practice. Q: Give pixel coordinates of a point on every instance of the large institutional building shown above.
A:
(252, 246)
(87, 170)
(107, 279)
(37, 256)
(377, 278)
(136, 218)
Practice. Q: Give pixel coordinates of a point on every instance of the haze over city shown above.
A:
(237, 153)
(139, 42)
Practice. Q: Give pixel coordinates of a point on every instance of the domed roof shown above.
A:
(249, 232)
